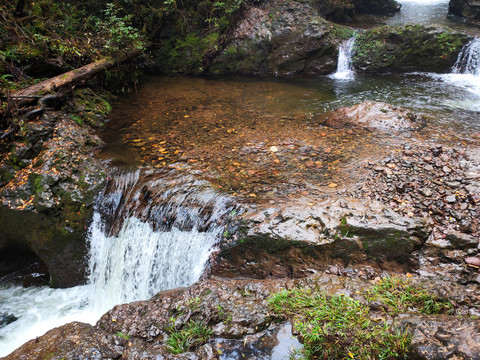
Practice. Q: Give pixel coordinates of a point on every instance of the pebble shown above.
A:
(451, 199)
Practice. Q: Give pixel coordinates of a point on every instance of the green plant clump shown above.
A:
(191, 336)
(338, 327)
(402, 295)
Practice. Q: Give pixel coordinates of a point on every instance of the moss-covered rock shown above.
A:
(465, 8)
(280, 38)
(405, 48)
(49, 182)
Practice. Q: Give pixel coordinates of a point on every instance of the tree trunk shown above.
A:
(32, 93)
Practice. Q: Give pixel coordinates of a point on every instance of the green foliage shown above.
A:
(338, 327)
(191, 336)
(117, 31)
(402, 294)
(122, 335)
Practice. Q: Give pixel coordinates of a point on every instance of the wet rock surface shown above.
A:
(374, 115)
(242, 324)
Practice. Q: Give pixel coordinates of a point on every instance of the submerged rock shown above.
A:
(405, 48)
(280, 38)
(375, 115)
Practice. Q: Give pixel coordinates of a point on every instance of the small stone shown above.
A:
(451, 199)
(273, 149)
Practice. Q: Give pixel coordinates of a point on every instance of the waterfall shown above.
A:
(133, 253)
(344, 66)
(468, 61)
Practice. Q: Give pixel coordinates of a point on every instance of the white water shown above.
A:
(345, 67)
(466, 75)
(133, 265)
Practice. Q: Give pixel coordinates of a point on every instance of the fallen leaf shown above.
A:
(273, 149)
(332, 185)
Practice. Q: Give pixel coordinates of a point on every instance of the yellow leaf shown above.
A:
(351, 355)
(252, 195)
(186, 116)
(332, 185)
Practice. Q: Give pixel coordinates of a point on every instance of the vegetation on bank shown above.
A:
(340, 327)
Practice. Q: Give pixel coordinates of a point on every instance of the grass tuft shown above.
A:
(191, 336)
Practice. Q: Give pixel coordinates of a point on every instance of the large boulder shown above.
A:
(384, 7)
(280, 38)
(48, 185)
(336, 10)
(406, 48)
(469, 9)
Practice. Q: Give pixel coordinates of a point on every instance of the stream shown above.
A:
(223, 129)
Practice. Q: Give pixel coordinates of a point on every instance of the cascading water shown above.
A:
(344, 66)
(466, 74)
(132, 263)
(468, 61)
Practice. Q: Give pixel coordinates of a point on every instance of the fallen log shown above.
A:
(34, 92)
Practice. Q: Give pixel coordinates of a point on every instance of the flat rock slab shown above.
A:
(375, 115)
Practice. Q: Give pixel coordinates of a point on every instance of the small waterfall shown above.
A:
(148, 234)
(468, 61)
(466, 75)
(344, 67)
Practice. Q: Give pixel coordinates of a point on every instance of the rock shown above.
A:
(279, 38)
(296, 241)
(6, 319)
(466, 9)
(443, 337)
(385, 7)
(336, 10)
(451, 199)
(47, 205)
(375, 115)
(74, 341)
(404, 48)
(242, 322)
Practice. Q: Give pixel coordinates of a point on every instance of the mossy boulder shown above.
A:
(407, 48)
(280, 38)
(49, 182)
(465, 8)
